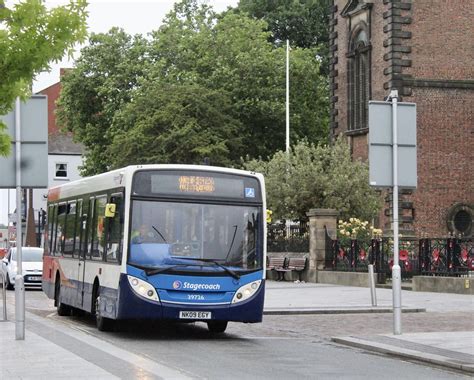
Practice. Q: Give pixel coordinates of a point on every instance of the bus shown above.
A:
(158, 242)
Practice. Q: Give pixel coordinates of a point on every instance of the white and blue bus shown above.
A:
(158, 242)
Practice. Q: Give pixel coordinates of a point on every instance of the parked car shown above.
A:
(32, 267)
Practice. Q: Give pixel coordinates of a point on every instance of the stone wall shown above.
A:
(458, 285)
(345, 278)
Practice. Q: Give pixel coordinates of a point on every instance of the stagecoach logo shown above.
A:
(187, 285)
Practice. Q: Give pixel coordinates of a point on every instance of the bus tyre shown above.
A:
(217, 326)
(8, 284)
(63, 309)
(102, 323)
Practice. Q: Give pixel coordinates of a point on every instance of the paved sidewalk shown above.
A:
(448, 349)
(37, 358)
(454, 350)
(82, 354)
(309, 298)
(55, 351)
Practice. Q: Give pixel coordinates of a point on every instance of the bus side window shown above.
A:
(51, 229)
(69, 229)
(90, 228)
(61, 225)
(98, 230)
(77, 229)
(115, 231)
(84, 228)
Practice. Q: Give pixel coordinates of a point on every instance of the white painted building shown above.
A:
(64, 161)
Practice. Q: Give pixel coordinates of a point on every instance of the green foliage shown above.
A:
(106, 74)
(231, 53)
(30, 38)
(317, 176)
(202, 85)
(176, 124)
(303, 22)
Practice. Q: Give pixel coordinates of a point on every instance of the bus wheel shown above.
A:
(63, 309)
(217, 326)
(102, 323)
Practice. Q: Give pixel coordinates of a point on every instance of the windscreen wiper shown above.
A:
(150, 271)
(232, 243)
(159, 233)
(212, 261)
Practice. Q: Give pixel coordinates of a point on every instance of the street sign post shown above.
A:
(33, 114)
(392, 163)
(28, 167)
(381, 142)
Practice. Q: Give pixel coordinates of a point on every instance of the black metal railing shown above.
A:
(354, 255)
(437, 257)
(446, 257)
(288, 237)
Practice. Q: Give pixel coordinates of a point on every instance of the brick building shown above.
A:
(425, 50)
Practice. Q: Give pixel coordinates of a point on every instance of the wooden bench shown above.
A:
(297, 264)
(278, 265)
(281, 265)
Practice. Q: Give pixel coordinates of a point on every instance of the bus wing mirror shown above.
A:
(110, 210)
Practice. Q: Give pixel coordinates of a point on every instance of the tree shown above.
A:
(317, 176)
(107, 72)
(304, 22)
(215, 73)
(30, 38)
(176, 123)
(231, 52)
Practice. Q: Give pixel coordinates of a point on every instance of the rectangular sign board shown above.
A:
(381, 144)
(34, 145)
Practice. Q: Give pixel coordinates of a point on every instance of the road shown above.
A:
(290, 346)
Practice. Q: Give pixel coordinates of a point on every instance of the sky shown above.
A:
(135, 17)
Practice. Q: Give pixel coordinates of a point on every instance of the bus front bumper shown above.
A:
(133, 306)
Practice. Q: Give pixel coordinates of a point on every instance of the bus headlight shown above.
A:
(246, 291)
(143, 288)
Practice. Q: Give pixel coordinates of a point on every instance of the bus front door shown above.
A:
(80, 276)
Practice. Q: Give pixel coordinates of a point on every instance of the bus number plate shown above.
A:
(195, 314)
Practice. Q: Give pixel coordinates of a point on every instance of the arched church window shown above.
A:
(359, 79)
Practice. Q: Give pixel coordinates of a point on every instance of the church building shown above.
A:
(425, 50)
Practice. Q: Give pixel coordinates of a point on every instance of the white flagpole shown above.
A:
(287, 96)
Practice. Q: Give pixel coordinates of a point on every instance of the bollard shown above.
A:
(19, 308)
(373, 295)
(397, 299)
(4, 297)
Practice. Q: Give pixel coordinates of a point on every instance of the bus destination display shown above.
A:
(195, 183)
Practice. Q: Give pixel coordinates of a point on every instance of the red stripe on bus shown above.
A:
(53, 194)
